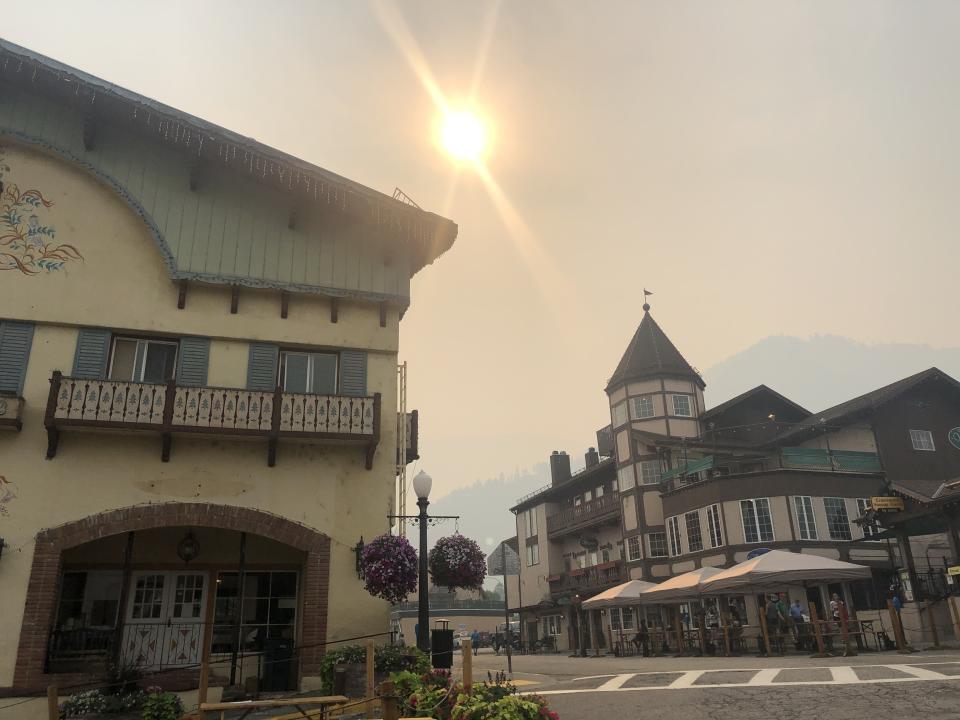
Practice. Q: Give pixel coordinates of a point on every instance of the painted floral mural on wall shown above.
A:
(26, 243)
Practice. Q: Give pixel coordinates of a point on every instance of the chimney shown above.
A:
(559, 467)
(592, 457)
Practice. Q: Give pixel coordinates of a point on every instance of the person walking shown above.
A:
(475, 641)
(642, 639)
(774, 620)
(796, 620)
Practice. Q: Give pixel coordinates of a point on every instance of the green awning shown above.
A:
(692, 466)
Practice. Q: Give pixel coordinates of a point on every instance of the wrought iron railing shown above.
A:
(170, 408)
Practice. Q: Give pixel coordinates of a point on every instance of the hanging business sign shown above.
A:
(953, 570)
(886, 503)
(954, 437)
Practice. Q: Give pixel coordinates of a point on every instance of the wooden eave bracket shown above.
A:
(182, 295)
(234, 299)
(334, 309)
(284, 304)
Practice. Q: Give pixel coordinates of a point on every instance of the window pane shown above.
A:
(694, 537)
(124, 355)
(681, 405)
(324, 374)
(160, 363)
(764, 521)
(716, 531)
(295, 372)
(838, 523)
(749, 521)
(283, 584)
(619, 415)
(650, 470)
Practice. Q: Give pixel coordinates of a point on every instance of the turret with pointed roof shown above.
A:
(650, 354)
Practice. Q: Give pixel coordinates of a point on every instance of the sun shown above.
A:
(463, 135)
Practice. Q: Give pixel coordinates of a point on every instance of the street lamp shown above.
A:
(421, 486)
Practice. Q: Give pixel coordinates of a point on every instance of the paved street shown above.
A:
(879, 685)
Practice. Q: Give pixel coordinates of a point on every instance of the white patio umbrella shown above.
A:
(777, 568)
(679, 588)
(622, 595)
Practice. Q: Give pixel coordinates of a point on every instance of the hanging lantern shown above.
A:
(188, 548)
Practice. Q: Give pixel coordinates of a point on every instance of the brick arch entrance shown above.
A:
(44, 585)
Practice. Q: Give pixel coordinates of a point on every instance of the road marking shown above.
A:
(921, 673)
(594, 677)
(844, 675)
(616, 683)
(764, 677)
(687, 679)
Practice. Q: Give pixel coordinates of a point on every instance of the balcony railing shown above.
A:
(597, 577)
(11, 411)
(596, 510)
(172, 408)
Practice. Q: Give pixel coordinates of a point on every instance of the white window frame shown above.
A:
(690, 406)
(145, 344)
(715, 524)
(533, 554)
(674, 542)
(598, 491)
(311, 359)
(755, 503)
(643, 407)
(841, 505)
(625, 478)
(922, 440)
(693, 516)
(869, 531)
(634, 552)
(806, 518)
(654, 551)
(655, 474)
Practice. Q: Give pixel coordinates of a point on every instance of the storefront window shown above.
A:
(269, 609)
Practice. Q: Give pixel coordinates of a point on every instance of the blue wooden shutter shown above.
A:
(193, 360)
(353, 372)
(93, 350)
(15, 341)
(262, 366)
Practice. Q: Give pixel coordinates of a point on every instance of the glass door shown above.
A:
(164, 619)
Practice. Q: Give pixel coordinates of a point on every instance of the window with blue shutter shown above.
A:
(262, 366)
(193, 361)
(15, 341)
(353, 372)
(93, 351)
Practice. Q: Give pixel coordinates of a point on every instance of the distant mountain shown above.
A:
(484, 506)
(824, 370)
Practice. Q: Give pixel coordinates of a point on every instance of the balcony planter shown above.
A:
(457, 562)
(555, 578)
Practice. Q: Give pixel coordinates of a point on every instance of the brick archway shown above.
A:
(43, 587)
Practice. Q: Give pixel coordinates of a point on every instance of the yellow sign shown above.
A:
(953, 570)
(886, 503)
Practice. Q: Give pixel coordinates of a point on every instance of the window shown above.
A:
(657, 543)
(716, 529)
(621, 619)
(313, 373)
(148, 361)
(806, 523)
(650, 472)
(922, 440)
(633, 548)
(682, 407)
(269, 609)
(643, 407)
(89, 599)
(553, 625)
(530, 522)
(673, 527)
(533, 554)
(838, 522)
(614, 485)
(598, 493)
(694, 536)
(577, 501)
(587, 496)
(147, 597)
(625, 479)
(869, 531)
(619, 415)
(757, 525)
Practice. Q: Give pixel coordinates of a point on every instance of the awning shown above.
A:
(679, 588)
(625, 594)
(777, 568)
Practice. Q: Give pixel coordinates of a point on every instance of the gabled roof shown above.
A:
(650, 354)
(849, 410)
(758, 390)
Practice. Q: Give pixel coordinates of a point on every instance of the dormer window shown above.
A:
(147, 361)
(682, 406)
(922, 440)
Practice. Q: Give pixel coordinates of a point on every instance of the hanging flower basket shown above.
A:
(457, 562)
(388, 565)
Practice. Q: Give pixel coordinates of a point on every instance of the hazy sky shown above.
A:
(764, 167)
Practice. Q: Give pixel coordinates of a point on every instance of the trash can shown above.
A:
(277, 669)
(441, 647)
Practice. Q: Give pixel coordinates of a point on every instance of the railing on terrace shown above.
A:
(171, 408)
(596, 577)
(588, 512)
(11, 411)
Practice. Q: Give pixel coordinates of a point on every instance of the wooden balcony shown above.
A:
(11, 412)
(589, 579)
(173, 409)
(599, 510)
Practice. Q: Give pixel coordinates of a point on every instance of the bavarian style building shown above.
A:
(198, 386)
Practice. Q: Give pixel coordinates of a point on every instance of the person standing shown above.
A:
(475, 641)
(774, 620)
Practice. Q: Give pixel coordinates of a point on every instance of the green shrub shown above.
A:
(93, 702)
(159, 705)
(386, 659)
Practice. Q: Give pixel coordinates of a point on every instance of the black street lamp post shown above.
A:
(423, 605)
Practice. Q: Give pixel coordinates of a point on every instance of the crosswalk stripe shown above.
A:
(687, 679)
(617, 682)
(921, 673)
(844, 675)
(764, 677)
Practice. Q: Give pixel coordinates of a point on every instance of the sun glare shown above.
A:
(463, 135)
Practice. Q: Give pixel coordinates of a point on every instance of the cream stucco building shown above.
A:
(198, 367)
